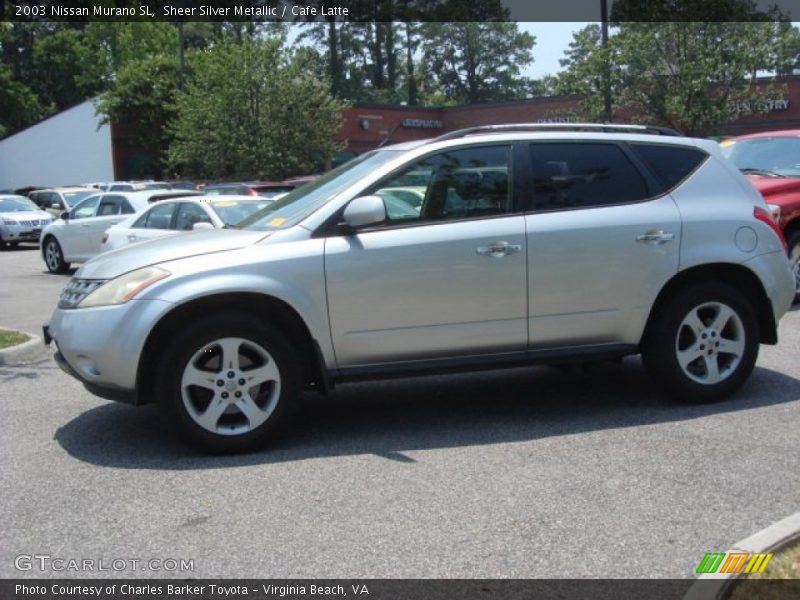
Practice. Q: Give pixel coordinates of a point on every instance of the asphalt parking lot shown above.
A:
(524, 473)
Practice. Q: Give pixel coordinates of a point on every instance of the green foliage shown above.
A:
(478, 62)
(268, 117)
(685, 75)
(143, 100)
(19, 105)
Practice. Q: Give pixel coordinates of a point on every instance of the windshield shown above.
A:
(73, 198)
(778, 155)
(234, 211)
(306, 199)
(17, 205)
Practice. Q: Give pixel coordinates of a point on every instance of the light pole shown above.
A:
(607, 114)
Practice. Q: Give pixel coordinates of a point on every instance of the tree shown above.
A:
(478, 61)
(19, 105)
(142, 99)
(251, 110)
(684, 75)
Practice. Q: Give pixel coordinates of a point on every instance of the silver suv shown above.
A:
(483, 248)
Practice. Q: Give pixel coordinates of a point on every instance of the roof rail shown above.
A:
(605, 127)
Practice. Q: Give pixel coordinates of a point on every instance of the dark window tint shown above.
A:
(457, 184)
(671, 164)
(577, 175)
(158, 217)
(188, 215)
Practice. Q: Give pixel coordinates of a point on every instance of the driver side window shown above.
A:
(86, 208)
(451, 185)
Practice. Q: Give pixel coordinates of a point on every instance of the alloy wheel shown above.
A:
(231, 386)
(710, 342)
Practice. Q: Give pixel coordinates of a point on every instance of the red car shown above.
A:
(771, 161)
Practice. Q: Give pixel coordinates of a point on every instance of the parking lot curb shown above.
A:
(24, 352)
(715, 586)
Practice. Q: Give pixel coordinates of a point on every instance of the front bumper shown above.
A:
(126, 396)
(101, 347)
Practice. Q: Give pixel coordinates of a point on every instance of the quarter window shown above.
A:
(581, 175)
(456, 184)
(670, 164)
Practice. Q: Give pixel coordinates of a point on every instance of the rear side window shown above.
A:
(583, 175)
(670, 164)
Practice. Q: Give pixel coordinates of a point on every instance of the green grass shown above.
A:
(783, 571)
(11, 338)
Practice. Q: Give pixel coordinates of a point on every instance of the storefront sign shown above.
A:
(760, 105)
(423, 123)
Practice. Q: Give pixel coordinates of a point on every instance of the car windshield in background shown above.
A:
(17, 205)
(221, 190)
(272, 190)
(235, 211)
(769, 155)
(73, 198)
(306, 199)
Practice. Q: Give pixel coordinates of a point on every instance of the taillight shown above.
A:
(252, 192)
(763, 216)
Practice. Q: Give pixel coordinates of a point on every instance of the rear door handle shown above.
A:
(656, 236)
(498, 249)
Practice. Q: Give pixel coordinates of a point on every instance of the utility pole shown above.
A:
(607, 114)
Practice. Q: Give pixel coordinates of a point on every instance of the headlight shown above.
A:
(123, 288)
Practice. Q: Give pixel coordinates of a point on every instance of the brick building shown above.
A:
(368, 125)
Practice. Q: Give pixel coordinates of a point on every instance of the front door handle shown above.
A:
(132, 237)
(498, 249)
(655, 236)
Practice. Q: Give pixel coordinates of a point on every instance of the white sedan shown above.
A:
(77, 235)
(172, 217)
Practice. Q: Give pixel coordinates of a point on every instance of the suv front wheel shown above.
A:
(703, 343)
(227, 381)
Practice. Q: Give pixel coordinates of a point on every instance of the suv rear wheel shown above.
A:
(228, 381)
(703, 343)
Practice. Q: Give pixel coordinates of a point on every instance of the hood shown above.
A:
(770, 186)
(28, 215)
(129, 258)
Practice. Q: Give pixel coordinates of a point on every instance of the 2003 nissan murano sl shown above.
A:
(492, 246)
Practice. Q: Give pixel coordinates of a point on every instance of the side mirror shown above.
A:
(202, 227)
(65, 215)
(365, 210)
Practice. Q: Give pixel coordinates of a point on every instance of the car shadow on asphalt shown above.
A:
(390, 418)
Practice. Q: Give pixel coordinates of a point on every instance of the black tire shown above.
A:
(53, 256)
(670, 335)
(3, 244)
(794, 258)
(197, 347)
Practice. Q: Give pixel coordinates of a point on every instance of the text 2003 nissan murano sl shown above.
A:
(494, 246)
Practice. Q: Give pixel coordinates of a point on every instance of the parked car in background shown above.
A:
(266, 189)
(533, 244)
(77, 235)
(57, 200)
(180, 184)
(771, 161)
(20, 220)
(136, 186)
(170, 217)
